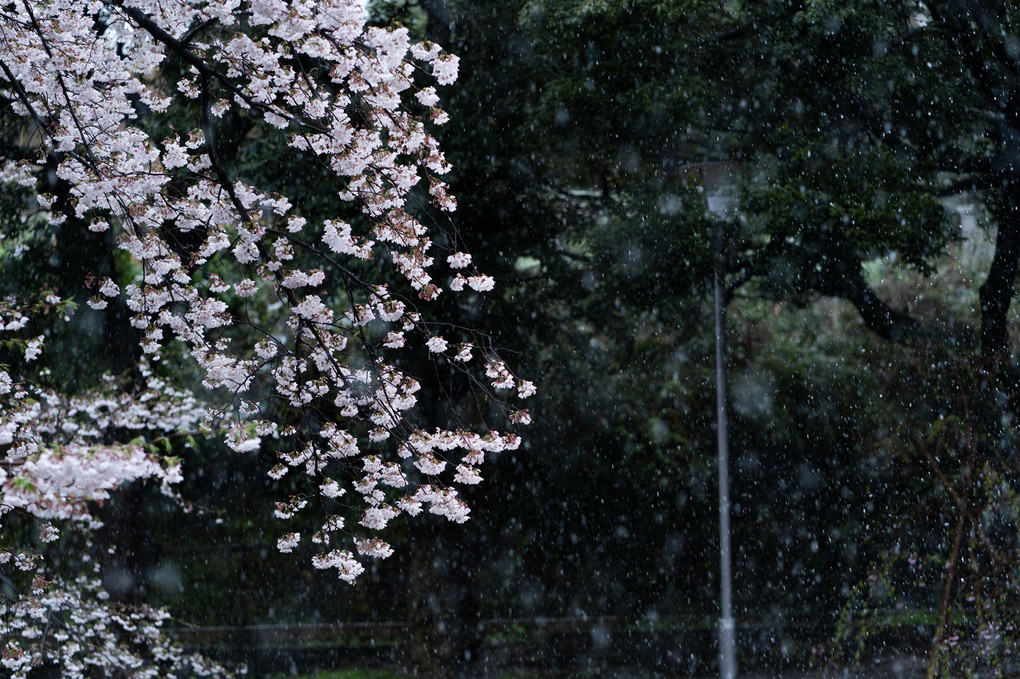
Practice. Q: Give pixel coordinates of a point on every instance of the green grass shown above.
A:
(351, 674)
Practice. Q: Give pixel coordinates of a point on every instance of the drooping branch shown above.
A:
(354, 115)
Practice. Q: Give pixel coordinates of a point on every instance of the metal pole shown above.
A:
(727, 629)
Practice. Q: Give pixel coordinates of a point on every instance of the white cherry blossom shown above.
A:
(216, 257)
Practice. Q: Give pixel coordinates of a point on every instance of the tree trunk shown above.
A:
(997, 292)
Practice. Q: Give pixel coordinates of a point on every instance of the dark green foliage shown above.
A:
(591, 124)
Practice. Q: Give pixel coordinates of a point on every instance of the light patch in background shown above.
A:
(752, 394)
(167, 577)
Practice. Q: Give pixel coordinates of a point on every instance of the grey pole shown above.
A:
(727, 629)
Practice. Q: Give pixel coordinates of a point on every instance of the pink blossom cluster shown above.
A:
(83, 631)
(56, 464)
(56, 458)
(351, 99)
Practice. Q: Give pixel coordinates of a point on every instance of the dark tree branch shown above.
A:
(896, 326)
(733, 286)
(734, 33)
(180, 49)
(960, 163)
(880, 318)
(907, 38)
(195, 30)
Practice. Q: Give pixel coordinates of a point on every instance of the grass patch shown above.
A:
(349, 674)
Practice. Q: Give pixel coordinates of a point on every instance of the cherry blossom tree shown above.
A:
(299, 324)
